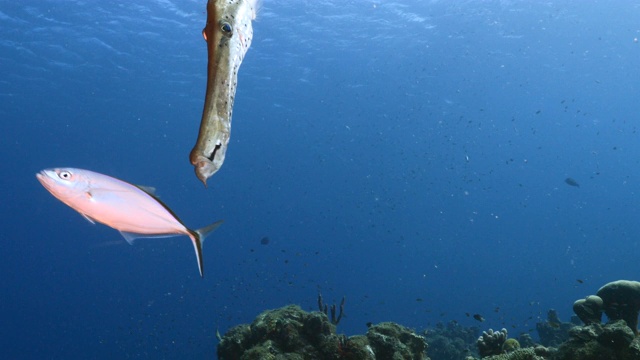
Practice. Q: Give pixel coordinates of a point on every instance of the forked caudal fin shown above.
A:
(197, 237)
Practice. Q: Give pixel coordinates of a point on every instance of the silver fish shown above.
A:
(228, 34)
(133, 210)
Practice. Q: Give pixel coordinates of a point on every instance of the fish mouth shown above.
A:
(43, 176)
(46, 178)
(228, 33)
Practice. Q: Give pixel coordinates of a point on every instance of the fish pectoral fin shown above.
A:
(89, 219)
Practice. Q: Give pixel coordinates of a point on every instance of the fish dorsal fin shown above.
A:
(151, 192)
(148, 189)
(89, 219)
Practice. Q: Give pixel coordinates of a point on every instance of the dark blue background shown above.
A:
(392, 153)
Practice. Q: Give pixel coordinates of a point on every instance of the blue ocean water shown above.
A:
(408, 155)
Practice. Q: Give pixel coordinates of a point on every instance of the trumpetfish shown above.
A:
(133, 210)
(228, 34)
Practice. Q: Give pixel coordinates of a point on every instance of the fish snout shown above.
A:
(45, 179)
(43, 175)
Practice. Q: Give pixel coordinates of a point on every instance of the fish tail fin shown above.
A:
(205, 231)
(197, 237)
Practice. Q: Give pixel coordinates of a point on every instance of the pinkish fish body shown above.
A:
(132, 210)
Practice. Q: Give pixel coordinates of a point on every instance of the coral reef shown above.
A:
(620, 300)
(285, 330)
(614, 340)
(589, 309)
(291, 333)
(510, 345)
(519, 354)
(451, 341)
(553, 332)
(393, 341)
(490, 342)
(526, 340)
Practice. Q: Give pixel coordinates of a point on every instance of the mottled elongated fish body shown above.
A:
(228, 33)
(132, 210)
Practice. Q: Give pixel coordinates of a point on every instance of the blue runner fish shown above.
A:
(228, 34)
(135, 211)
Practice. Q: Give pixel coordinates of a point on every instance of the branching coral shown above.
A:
(323, 308)
(490, 342)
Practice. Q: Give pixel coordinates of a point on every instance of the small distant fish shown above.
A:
(580, 281)
(571, 182)
(419, 299)
(264, 241)
(478, 317)
(130, 209)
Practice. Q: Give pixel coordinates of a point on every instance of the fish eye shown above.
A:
(225, 27)
(64, 175)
